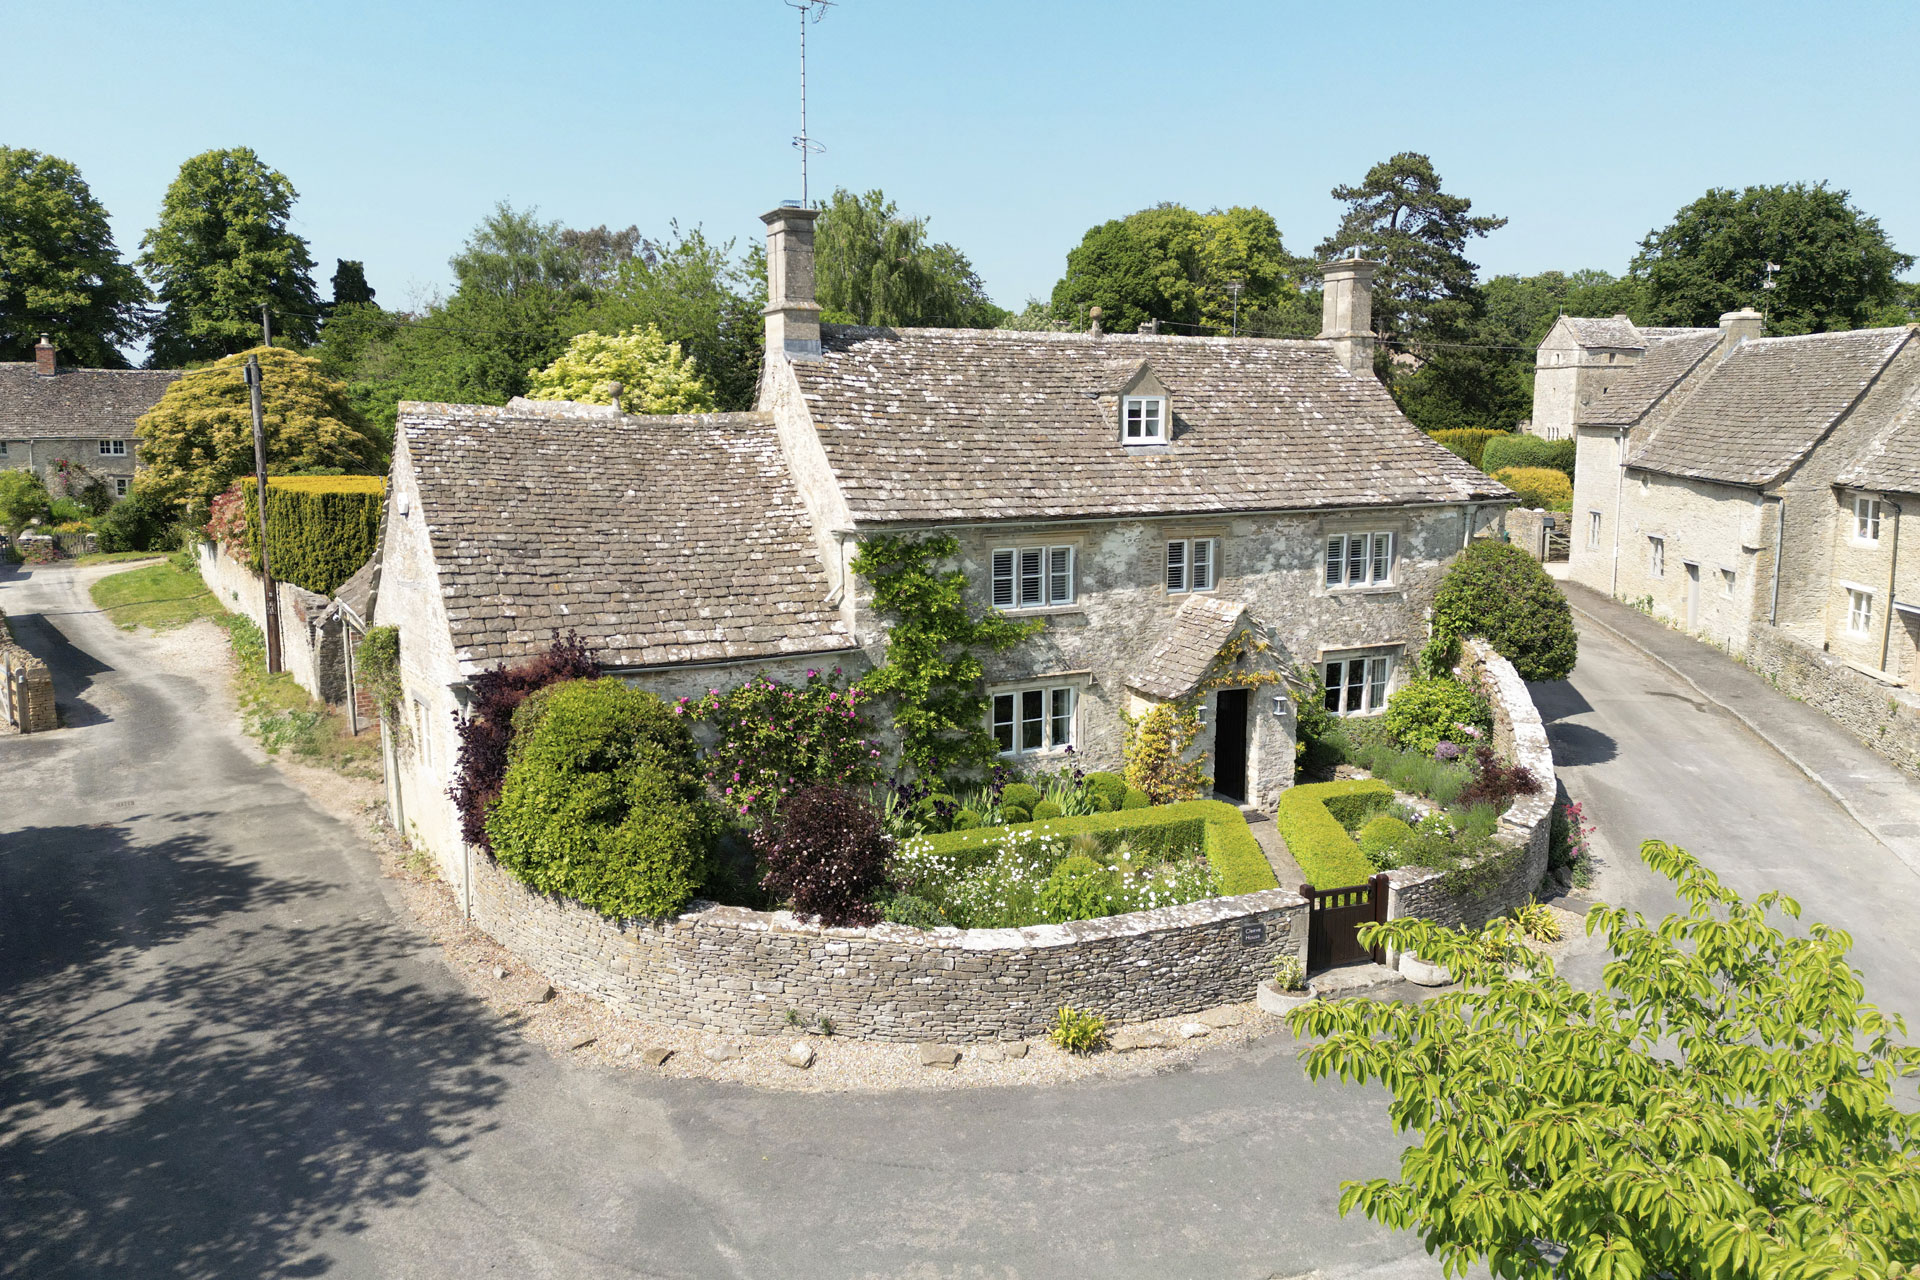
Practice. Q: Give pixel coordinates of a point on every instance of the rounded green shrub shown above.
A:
(913, 911)
(603, 803)
(1021, 794)
(1382, 839)
(1100, 804)
(965, 820)
(1498, 591)
(1430, 710)
(1046, 809)
(1013, 813)
(1136, 799)
(1078, 889)
(1110, 787)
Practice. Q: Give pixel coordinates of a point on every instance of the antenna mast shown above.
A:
(807, 146)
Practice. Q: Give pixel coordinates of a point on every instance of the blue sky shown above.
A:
(1014, 126)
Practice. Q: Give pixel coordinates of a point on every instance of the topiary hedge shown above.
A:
(1468, 442)
(1217, 828)
(1496, 590)
(322, 528)
(603, 803)
(1521, 450)
(1541, 487)
(1326, 854)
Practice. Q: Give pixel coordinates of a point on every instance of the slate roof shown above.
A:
(980, 424)
(76, 403)
(1764, 407)
(1610, 331)
(660, 539)
(1890, 462)
(1665, 363)
(1203, 624)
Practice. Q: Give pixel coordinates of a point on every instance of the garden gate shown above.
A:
(1334, 917)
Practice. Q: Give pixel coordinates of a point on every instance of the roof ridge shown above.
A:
(1075, 335)
(1880, 330)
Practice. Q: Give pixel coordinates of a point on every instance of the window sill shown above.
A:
(1039, 753)
(1389, 589)
(1041, 610)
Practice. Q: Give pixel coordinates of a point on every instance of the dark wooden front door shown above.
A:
(1334, 917)
(1230, 744)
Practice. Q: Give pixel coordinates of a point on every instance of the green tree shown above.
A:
(1722, 1107)
(350, 287)
(513, 254)
(1171, 264)
(876, 266)
(199, 439)
(1400, 217)
(654, 376)
(23, 499)
(1836, 266)
(1497, 591)
(59, 271)
(221, 250)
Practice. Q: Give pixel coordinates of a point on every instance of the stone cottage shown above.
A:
(1192, 519)
(50, 416)
(1582, 361)
(1706, 486)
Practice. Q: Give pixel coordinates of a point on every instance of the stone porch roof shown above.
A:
(1203, 624)
(83, 404)
(1762, 409)
(660, 539)
(1615, 332)
(1668, 359)
(929, 425)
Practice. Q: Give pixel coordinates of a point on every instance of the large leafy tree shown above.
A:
(1400, 216)
(1182, 268)
(654, 375)
(513, 254)
(1724, 1106)
(1836, 268)
(222, 249)
(199, 439)
(59, 271)
(875, 265)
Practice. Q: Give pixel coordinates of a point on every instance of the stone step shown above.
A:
(1375, 981)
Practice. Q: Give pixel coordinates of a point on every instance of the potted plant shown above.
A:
(1286, 990)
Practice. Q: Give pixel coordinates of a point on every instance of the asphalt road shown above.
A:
(223, 1054)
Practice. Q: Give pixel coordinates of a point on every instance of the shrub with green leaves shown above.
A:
(1540, 487)
(1725, 1105)
(1077, 1031)
(774, 737)
(1498, 591)
(603, 803)
(1436, 709)
(1319, 843)
(1383, 840)
(1078, 889)
(1524, 450)
(1110, 787)
(321, 529)
(1019, 795)
(1468, 442)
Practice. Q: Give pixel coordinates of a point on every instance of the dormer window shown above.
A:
(1145, 418)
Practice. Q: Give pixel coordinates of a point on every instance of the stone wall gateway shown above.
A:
(26, 687)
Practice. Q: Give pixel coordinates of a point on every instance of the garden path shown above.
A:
(1274, 845)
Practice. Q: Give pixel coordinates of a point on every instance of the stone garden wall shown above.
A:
(1478, 894)
(739, 971)
(310, 652)
(26, 687)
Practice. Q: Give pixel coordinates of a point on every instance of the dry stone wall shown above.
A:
(739, 971)
(309, 651)
(1880, 715)
(26, 700)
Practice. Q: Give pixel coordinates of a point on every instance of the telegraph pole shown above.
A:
(260, 495)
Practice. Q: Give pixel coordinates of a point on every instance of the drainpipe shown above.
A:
(1473, 509)
(1893, 565)
(1779, 539)
(1619, 500)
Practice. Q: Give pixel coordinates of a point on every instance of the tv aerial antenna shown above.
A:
(809, 10)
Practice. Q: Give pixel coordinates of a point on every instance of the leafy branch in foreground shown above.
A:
(1722, 1107)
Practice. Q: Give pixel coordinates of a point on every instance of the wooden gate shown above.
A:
(1334, 917)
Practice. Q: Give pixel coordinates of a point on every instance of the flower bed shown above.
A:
(1078, 868)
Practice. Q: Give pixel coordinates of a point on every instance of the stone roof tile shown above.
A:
(76, 403)
(1199, 629)
(1665, 363)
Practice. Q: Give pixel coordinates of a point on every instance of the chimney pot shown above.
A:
(793, 316)
(44, 361)
(1346, 311)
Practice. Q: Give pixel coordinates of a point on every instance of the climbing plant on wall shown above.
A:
(934, 641)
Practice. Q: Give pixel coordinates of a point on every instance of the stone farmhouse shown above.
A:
(1740, 485)
(1154, 499)
(1582, 361)
(50, 415)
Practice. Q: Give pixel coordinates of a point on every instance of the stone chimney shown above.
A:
(1093, 315)
(793, 317)
(1346, 311)
(44, 363)
(1740, 326)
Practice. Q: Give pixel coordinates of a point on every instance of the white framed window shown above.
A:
(1727, 578)
(1038, 719)
(1033, 577)
(1656, 556)
(1593, 530)
(118, 448)
(1859, 611)
(1866, 520)
(1193, 564)
(119, 486)
(1360, 560)
(1357, 683)
(1145, 419)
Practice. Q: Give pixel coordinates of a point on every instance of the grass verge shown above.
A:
(160, 596)
(114, 557)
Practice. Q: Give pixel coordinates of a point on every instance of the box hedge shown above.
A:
(1217, 828)
(1306, 816)
(1468, 442)
(1540, 487)
(1528, 451)
(323, 527)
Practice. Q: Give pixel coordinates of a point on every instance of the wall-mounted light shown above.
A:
(1200, 714)
(1279, 704)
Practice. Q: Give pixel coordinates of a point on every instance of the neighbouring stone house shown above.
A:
(1153, 499)
(1705, 486)
(50, 416)
(1588, 369)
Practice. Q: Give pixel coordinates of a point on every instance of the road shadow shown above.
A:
(1573, 744)
(205, 1069)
